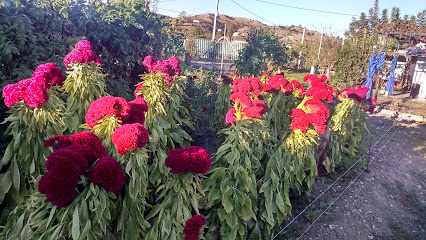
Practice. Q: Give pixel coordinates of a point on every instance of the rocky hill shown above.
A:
(238, 28)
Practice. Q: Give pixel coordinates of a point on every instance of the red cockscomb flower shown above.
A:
(241, 85)
(230, 117)
(82, 53)
(75, 160)
(130, 137)
(193, 226)
(199, 160)
(57, 142)
(92, 140)
(317, 107)
(14, 93)
(178, 160)
(304, 120)
(275, 83)
(107, 106)
(108, 174)
(256, 110)
(138, 108)
(36, 94)
(86, 150)
(148, 61)
(241, 98)
(226, 79)
(57, 78)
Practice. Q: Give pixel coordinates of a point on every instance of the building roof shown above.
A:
(419, 50)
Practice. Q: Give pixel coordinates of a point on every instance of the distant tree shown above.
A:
(406, 17)
(395, 14)
(374, 14)
(421, 18)
(413, 19)
(384, 16)
(263, 52)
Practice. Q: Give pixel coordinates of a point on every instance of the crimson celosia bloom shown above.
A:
(248, 85)
(230, 117)
(304, 120)
(241, 98)
(178, 160)
(256, 110)
(14, 93)
(317, 107)
(57, 77)
(226, 79)
(59, 183)
(75, 160)
(130, 137)
(36, 95)
(107, 106)
(148, 61)
(57, 142)
(275, 83)
(108, 174)
(193, 226)
(199, 160)
(86, 150)
(169, 68)
(82, 53)
(92, 140)
(138, 108)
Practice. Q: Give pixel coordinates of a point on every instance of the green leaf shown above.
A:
(214, 195)
(227, 200)
(16, 176)
(75, 229)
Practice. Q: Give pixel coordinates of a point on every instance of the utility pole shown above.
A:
(300, 53)
(319, 52)
(223, 50)
(215, 19)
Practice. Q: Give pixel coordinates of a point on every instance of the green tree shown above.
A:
(395, 14)
(262, 52)
(421, 18)
(374, 14)
(384, 16)
(413, 19)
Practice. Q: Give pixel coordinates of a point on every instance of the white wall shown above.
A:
(420, 76)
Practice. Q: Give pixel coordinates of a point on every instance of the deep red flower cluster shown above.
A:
(195, 159)
(193, 226)
(277, 83)
(248, 85)
(358, 93)
(226, 79)
(169, 67)
(130, 137)
(315, 116)
(369, 105)
(108, 174)
(70, 159)
(138, 108)
(82, 53)
(107, 106)
(33, 90)
(319, 89)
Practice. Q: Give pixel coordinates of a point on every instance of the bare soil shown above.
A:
(386, 202)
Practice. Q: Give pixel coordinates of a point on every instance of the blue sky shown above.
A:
(280, 15)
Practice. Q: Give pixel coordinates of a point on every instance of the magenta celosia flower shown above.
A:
(86, 150)
(107, 106)
(130, 137)
(75, 160)
(193, 226)
(57, 78)
(148, 61)
(226, 79)
(199, 160)
(177, 161)
(275, 83)
(230, 117)
(82, 53)
(108, 174)
(35, 95)
(169, 68)
(58, 142)
(242, 85)
(138, 108)
(92, 140)
(175, 64)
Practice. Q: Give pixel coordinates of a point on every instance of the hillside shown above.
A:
(238, 28)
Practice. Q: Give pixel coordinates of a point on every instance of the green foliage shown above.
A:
(222, 106)
(262, 51)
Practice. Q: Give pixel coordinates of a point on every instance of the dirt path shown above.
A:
(388, 202)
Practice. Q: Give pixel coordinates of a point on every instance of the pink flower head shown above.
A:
(57, 78)
(303, 120)
(256, 86)
(148, 61)
(107, 106)
(82, 53)
(36, 94)
(199, 160)
(14, 93)
(175, 64)
(193, 226)
(275, 83)
(130, 137)
(108, 174)
(242, 85)
(92, 140)
(58, 142)
(317, 107)
(178, 160)
(230, 117)
(86, 151)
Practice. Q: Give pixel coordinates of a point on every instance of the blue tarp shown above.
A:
(389, 84)
(374, 65)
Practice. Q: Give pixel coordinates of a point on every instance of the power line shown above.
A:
(350, 184)
(253, 13)
(307, 9)
(329, 187)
